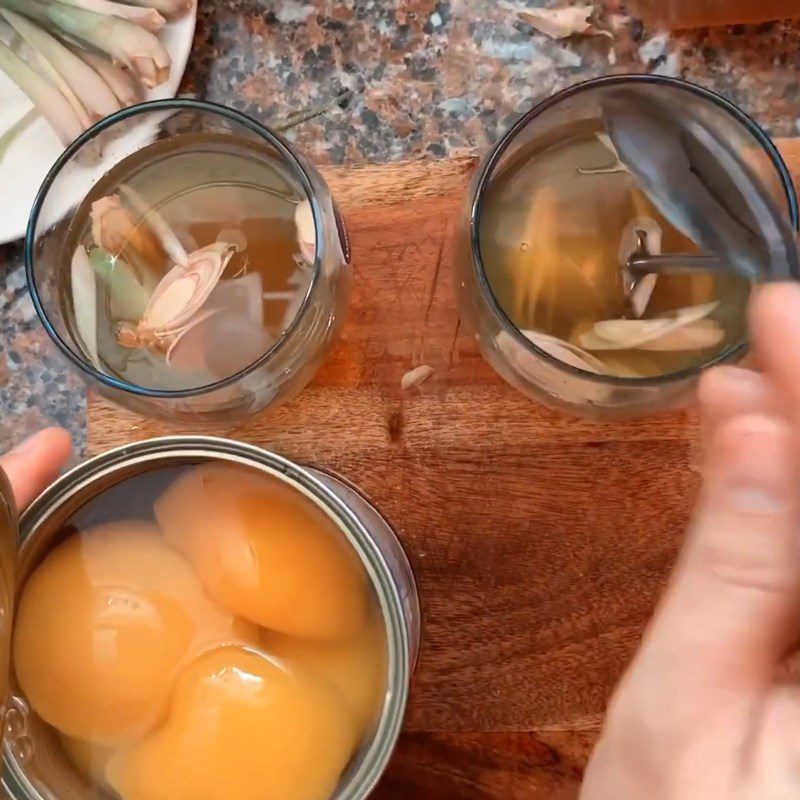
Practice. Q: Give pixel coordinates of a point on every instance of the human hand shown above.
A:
(706, 711)
(33, 465)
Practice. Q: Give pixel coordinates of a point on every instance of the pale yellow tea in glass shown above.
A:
(560, 221)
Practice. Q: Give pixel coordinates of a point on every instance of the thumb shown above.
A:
(33, 465)
(732, 610)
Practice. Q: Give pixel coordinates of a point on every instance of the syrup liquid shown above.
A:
(201, 632)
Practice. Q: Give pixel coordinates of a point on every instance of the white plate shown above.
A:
(31, 155)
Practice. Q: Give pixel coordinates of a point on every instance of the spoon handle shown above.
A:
(674, 263)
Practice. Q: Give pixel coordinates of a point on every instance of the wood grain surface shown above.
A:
(540, 542)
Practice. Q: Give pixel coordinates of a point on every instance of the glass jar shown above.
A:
(534, 369)
(701, 13)
(267, 370)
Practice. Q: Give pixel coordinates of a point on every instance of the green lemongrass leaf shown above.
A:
(145, 17)
(53, 106)
(76, 80)
(127, 297)
(122, 40)
(10, 134)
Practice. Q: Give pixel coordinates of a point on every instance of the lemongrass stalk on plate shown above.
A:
(122, 40)
(74, 78)
(120, 80)
(11, 133)
(171, 9)
(42, 66)
(50, 102)
(143, 16)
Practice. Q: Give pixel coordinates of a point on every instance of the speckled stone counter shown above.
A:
(420, 78)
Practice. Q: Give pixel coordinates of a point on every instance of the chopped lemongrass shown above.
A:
(416, 377)
(127, 296)
(116, 232)
(122, 40)
(120, 80)
(158, 225)
(306, 231)
(11, 133)
(566, 352)
(84, 300)
(78, 82)
(145, 17)
(171, 9)
(183, 291)
(53, 106)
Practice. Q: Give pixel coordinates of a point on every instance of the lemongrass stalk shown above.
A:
(52, 104)
(171, 9)
(11, 133)
(160, 228)
(76, 80)
(33, 59)
(119, 79)
(145, 17)
(122, 40)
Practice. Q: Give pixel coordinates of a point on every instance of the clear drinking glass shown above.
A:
(254, 373)
(697, 13)
(529, 368)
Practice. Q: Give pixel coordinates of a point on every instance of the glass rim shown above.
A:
(285, 151)
(486, 171)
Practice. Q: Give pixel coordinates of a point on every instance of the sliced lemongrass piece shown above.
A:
(700, 335)
(184, 289)
(114, 230)
(120, 80)
(10, 134)
(559, 23)
(157, 224)
(84, 302)
(631, 334)
(306, 231)
(73, 75)
(50, 102)
(145, 17)
(566, 352)
(416, 377)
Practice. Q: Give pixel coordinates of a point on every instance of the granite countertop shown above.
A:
(427, 79)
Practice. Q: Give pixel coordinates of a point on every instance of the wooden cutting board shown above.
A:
(540, 542)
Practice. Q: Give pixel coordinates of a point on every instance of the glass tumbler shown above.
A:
(213, 161)
(550, 375)
(697, 13)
